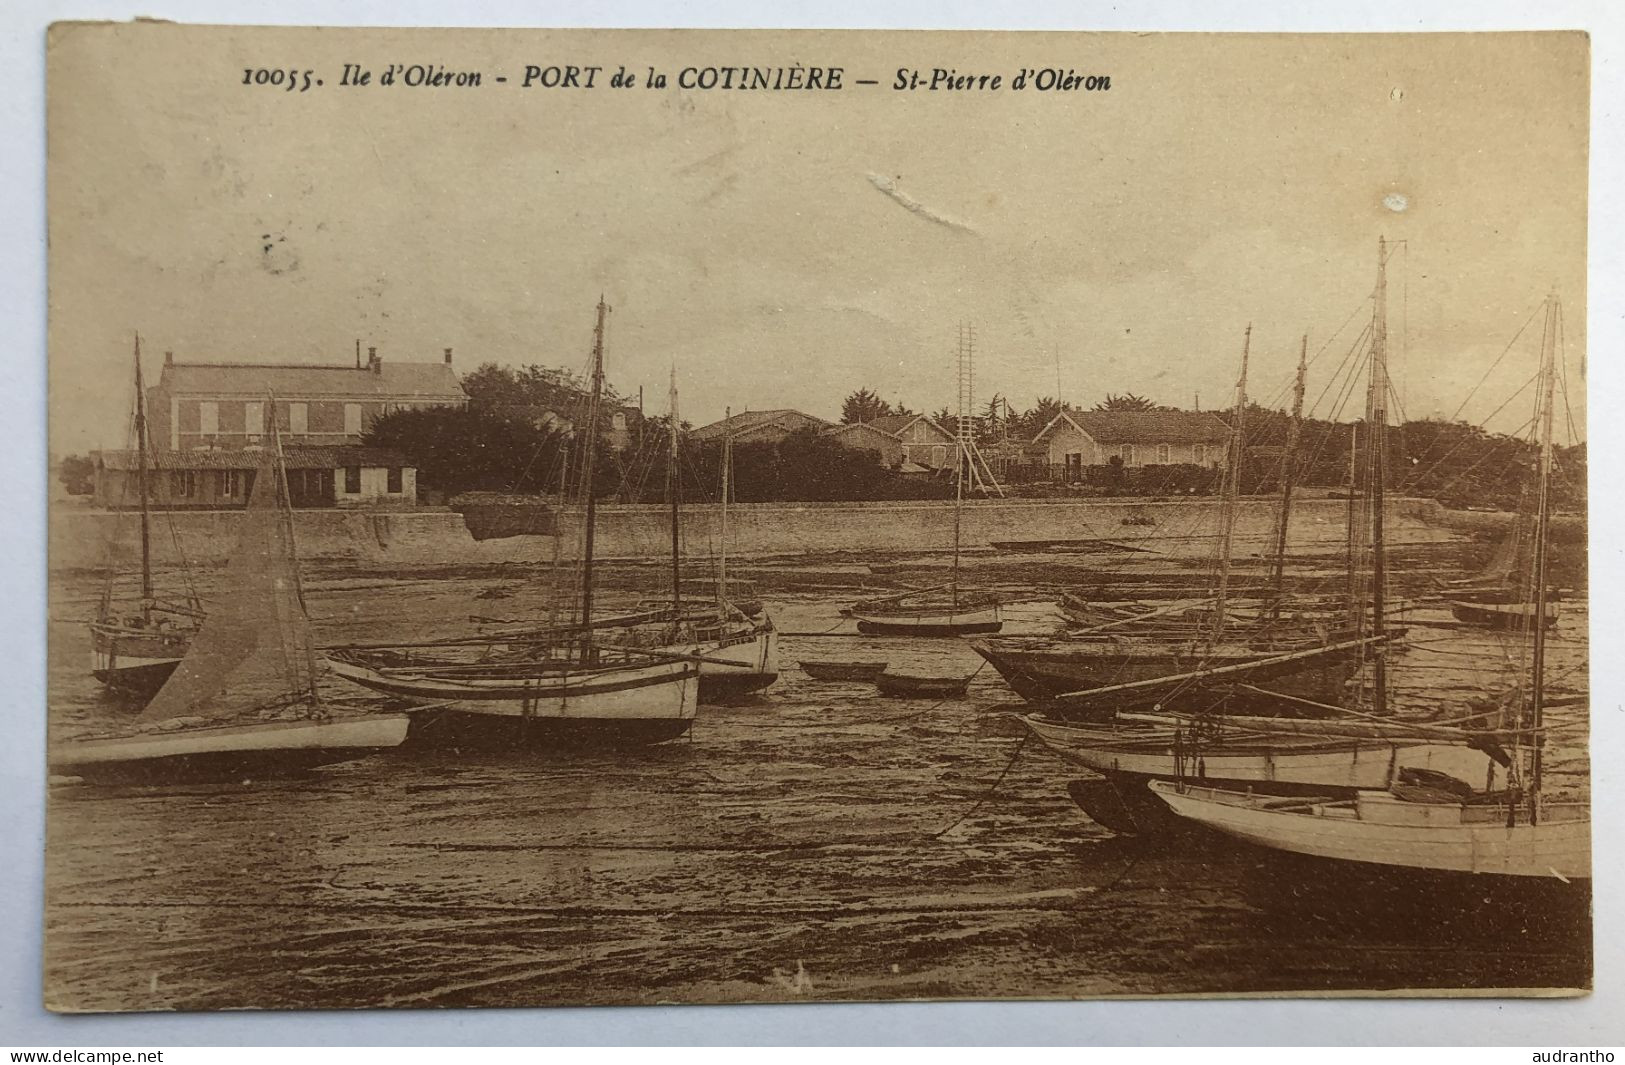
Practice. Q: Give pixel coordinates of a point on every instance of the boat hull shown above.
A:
(228, 752)
(1039, 675)
(528, 708)
(1279, 763)
(1379, 829)
(857, 671)
(135, 662)
(1507, 617)
(754, 665)
(928, 621)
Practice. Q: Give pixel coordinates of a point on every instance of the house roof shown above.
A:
(862, 428)
(294, 458)
(896, 424)
(426, 380)
(752, 419)
(1143, 427)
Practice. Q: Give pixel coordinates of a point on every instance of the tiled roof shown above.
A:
(428, 380)
(896, 423)
(294, 458)
(1145, 427)
(750, 419)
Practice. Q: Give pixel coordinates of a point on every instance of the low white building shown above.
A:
(1077, 438)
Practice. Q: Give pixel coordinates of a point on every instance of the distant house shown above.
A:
(868, 437)
(925, 443)
(1074, 439)
(754, 425)
(222, 479)
(222, 405)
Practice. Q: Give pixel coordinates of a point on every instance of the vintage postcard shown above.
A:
(611, 517)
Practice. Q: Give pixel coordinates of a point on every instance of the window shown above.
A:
(618, 421)
(1199, 453)
(183, 483)
(1164, 453)
(231, 482)
(352, 480)
(939, 455)
(394, 480)
(352, 424)
(254, 419)
(208, 418)
(298, 419)
(1128, 454)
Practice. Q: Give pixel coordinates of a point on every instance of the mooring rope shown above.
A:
(1014, 756)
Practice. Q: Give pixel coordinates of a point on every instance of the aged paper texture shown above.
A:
(608, 517)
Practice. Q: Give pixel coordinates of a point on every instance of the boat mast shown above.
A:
(1377, 417)
(1548, 370)
(727, 487)
(1353, 527)
(674, 488)
(962, 443)
(141, 484)
(1289, 470)
(1232, 486)
(588, 462)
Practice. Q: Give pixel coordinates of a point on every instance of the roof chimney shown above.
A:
(169, 358)
(374, 363)
(448, 356)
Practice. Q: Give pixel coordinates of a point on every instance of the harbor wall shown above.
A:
(84, 538)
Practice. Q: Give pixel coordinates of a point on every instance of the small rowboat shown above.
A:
(905, 686)
(828, 670)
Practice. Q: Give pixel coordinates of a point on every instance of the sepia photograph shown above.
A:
(632, 517)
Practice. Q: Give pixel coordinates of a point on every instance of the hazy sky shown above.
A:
(783, 249)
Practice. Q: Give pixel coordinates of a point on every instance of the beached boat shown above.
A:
(134, 647)
(1387, 829)
(842, 670)
(1093, 677)
(1507, 617)
(951, 609)
(244, 702)
(563, 686)
(1506, 834)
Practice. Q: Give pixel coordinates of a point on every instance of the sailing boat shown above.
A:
(739, 648)
(1310, 745)
(1094, 675)
(1511, 835)
(133, 651)
(244, 700)
(950, 610)
(1498, 598)
(542, 688)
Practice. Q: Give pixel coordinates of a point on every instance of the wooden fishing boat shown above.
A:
(134, 647)
(1096, 676)
(911, 686)
(951, 609)
(564, 686)
(1506, 617)
(531, 698)
(1509, 835)
(244, 701)
(204, 752)
(865, 671)
(960, 612)
(1382, 828)
(1129, 754)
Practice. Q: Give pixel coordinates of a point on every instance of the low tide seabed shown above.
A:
(817, 842)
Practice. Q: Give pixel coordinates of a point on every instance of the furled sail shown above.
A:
(255, 646)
